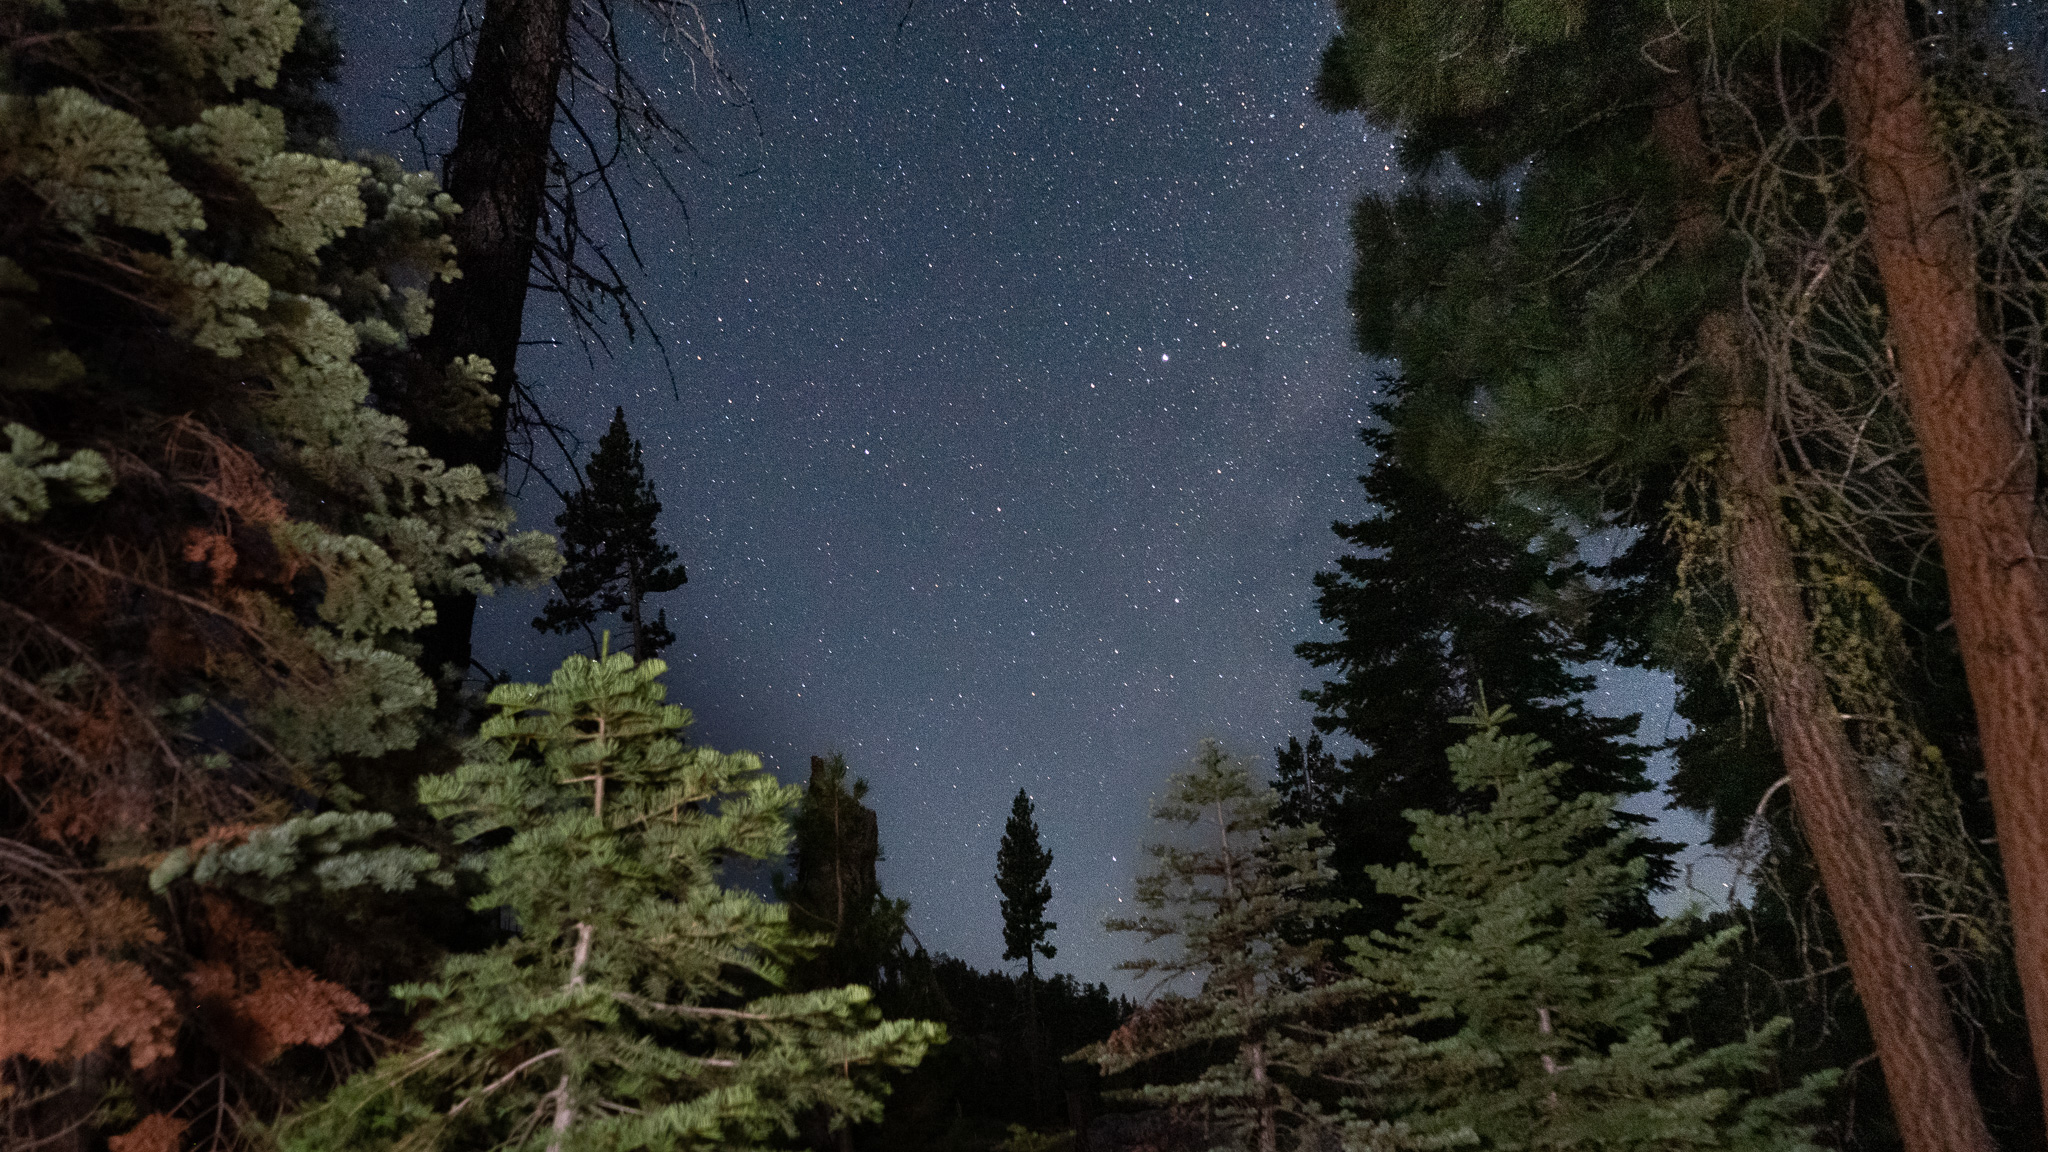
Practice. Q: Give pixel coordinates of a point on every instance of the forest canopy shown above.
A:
(1713, 334)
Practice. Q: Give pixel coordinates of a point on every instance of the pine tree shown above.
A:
(217, 557)
(1240, 892)
(1435, 608)
(526, 61)
(1967, 417)
(1022, 864)
(614, 558)
(633, 1007)
(837, 893)
(1614, 330)
(1558, 1023)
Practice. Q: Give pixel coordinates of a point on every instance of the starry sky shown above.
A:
(1015, 396)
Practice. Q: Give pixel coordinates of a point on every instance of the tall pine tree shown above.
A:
(836, 893)
(1435, 608)
(1022, 864)
(1657, 308)
(614, 558)
(217, 559)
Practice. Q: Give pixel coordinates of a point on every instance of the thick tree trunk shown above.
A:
(498, 173)
(1980, 467)
(1926, 1074)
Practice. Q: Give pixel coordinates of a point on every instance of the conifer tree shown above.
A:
(633, 1007)
(1022, 864)
(1630, 331)
(1559, 1024)
(1435, 607)
(613, 556)
(837, 893)
(217, 555)
(1263, 1000)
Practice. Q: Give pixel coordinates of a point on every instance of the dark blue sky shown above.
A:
(1015, 398)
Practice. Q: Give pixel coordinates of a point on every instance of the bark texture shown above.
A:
(498, 173)
(1981, 471)
(1926, 1073)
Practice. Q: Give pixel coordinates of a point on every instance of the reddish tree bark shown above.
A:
(1926, 1073)
(1981, 471)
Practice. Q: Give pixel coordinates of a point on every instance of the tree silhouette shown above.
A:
(614, 558)
(1021, 866)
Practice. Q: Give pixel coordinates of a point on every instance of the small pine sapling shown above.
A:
(1552, 1026)
(633, 1006)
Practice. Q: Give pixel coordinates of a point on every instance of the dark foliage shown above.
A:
(1437, 609)
(614, 555)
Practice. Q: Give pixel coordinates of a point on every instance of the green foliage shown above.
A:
(218, 550)
(1546, 326)
(1556, 1028)
(1251, 998)
(615, 558)
(631, 1009)
(322, 853)
(32, 467)
(1021, 867)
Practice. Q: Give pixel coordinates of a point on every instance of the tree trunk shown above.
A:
(1925, 1071)
(1269, 1127)
(1031, 1032)
(634, 596)
(498, 173)
(1980, 468)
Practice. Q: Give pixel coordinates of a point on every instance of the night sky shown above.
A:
(1015, 395)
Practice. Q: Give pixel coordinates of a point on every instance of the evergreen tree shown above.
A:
(1240, 892)
(836, 893)
(628, 1008)
(1434, 608)
(525, 62)
(613, 558)
(1021, 867)
(1619, 319)
(1556, 1025)
(217, 555)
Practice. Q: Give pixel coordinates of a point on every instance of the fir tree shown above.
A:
(1435, 607)
(1559, 1023)
(1239, 890)
(628, 1010)
(1022, 864)
(614, 558)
